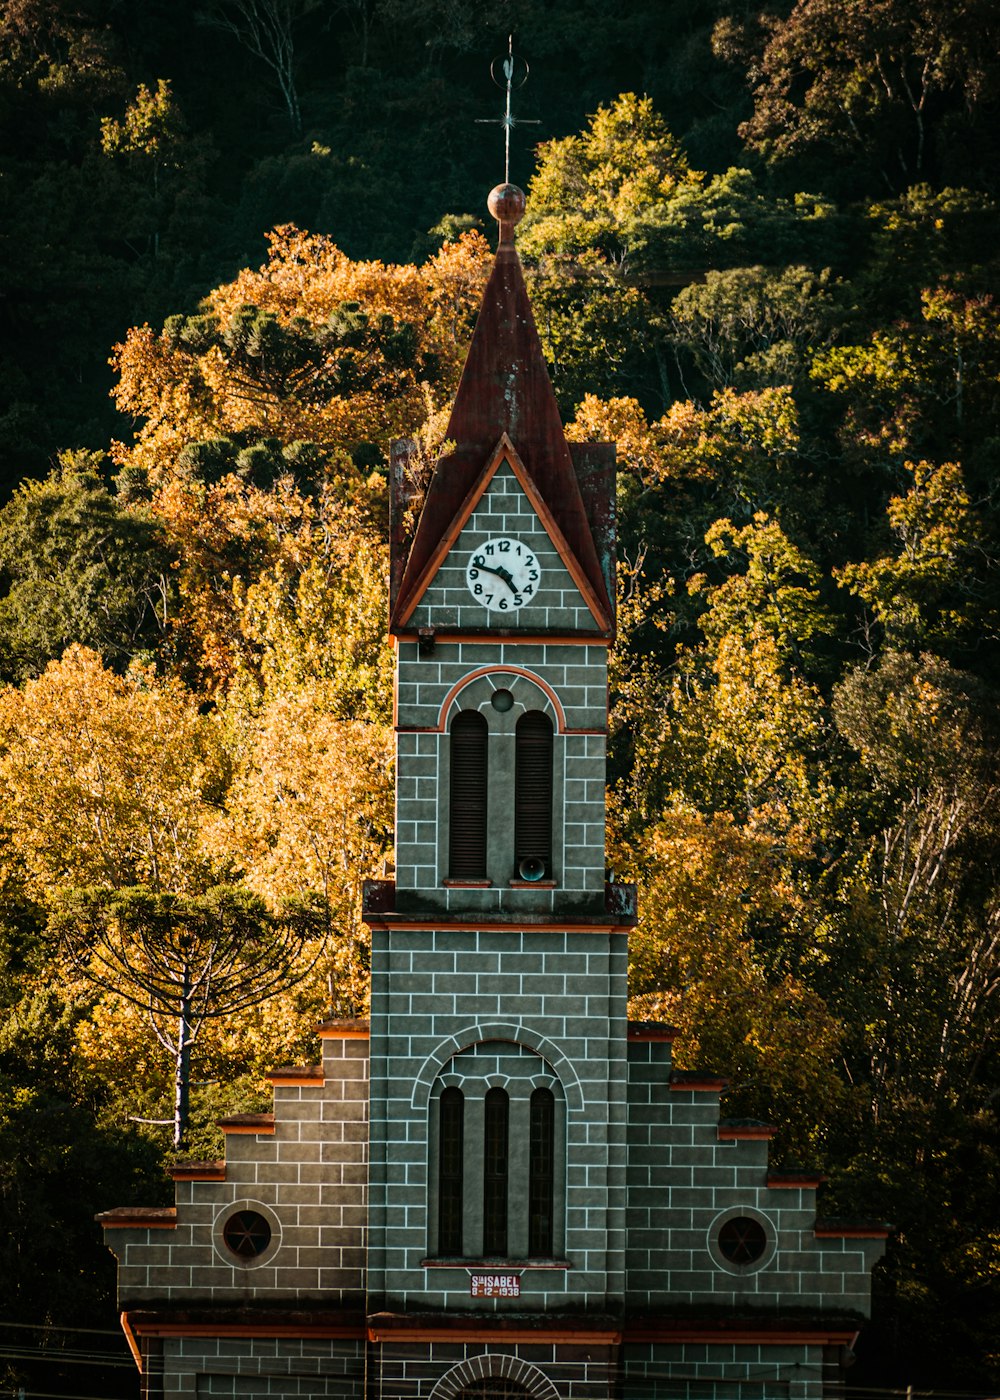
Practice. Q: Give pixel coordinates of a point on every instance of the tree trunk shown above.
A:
(182, 1064)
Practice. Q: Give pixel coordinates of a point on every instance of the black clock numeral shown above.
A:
(502, 605)
(478, 590)
(533, 575)
(517, 549)
(473, 574)
(489, 599)
(528, 588)
(518, 600)
(530, 561)
(503, 546)
(479, 561)
(489, 549)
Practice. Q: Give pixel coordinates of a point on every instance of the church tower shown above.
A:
(498, 1187)
(498, 1023)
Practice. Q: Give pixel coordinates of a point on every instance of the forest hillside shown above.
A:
(242, 245)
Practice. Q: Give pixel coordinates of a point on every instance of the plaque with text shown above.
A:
(495, 1285)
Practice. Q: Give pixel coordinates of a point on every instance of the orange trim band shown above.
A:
(248, 1329)
(763, 1134)
(852, 1232)
(788, 1335)
(492, 1334)
(444, 925)
(505, 635)
(133, 1345)
(643, 1031)
(261, 1124)
(296, 1081)
(139, 1220)
(198, 1171)
(777, 1182)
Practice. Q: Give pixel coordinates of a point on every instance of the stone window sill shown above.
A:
(467, 884)
(508, 1266)
(532, 884)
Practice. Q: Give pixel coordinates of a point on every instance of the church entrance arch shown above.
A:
(493, 1377)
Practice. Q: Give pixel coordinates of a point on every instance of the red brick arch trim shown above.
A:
(492, 1365)
(435, 1062)
(543, 686)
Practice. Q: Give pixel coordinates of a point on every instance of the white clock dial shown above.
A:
(503, 573)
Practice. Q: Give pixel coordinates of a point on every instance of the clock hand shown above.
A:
(500, 572)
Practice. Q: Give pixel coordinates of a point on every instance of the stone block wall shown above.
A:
(569, 684)
(441, 1370)
(686, 1178)
(504, 509)
(723, 1371)
(258, 1368)
(560, 997)
(304, 1170)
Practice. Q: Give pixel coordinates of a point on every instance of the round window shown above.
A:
(742, 1240)
(247, 1234)
(502, 700)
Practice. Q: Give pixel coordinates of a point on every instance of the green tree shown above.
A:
(81, 567)
(184, 960)
(874, 81)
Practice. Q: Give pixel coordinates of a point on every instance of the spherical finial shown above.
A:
(506, 204)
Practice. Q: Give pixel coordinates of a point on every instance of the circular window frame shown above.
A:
(754, 1266)
(239, 1261)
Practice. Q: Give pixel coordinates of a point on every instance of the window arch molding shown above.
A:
(560, 1067)
(470, 699)
(501, 1195)
(530, 692)
(492, 1366)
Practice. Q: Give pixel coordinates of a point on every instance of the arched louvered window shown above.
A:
(495, 1164)
(533, 790)
(451, 1163)
(467, 841)
(541, 1173)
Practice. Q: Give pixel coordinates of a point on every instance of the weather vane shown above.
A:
(512, 74)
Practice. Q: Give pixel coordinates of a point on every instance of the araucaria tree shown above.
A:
(186, 959)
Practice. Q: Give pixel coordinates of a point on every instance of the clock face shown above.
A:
(503, 573)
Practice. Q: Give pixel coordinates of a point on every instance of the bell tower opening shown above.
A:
(533, 796)
(469, 777)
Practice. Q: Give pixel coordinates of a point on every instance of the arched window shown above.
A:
(495, 1165)
(467, 840)
(451, 1165)
(541, 1173)
(533, 794)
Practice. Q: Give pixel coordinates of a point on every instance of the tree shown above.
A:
(108, 780)
(267, 29)
(311, 347)
(185, 959)
(81, 567)
(310, 814)
(756, 327)
(871, 78)
(933, 591)
(589, 188)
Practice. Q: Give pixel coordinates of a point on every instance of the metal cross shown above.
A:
(507, 121)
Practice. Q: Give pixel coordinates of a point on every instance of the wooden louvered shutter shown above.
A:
(451, 1171)
(541, 1173)
(533, 790)
(467, 840)
(495, 1164)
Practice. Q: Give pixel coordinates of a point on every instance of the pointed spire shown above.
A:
(505, 389)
